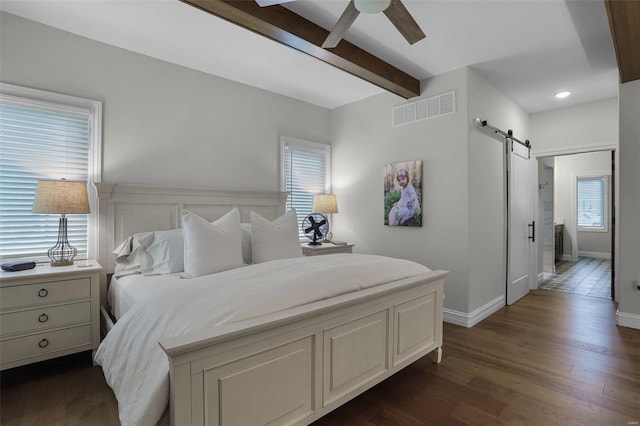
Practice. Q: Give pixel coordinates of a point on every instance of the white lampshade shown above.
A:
(61, 197)
(371, 6)
(325, 203)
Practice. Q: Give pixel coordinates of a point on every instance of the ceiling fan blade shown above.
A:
(265, 3)
(340, 28)
(404, 22)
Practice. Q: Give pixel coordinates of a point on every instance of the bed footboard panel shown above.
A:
(273, 386)
(355, 353)
(417, 331)
(297, 371)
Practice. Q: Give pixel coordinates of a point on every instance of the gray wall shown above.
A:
(629, 211)
(580, 127)
(162, 123)
(463, 202)
(363, 141)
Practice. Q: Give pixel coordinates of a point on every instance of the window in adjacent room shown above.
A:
(45, 135)
(305, 173)
(592, 203)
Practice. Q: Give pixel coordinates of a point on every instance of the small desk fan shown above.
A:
(315, 226)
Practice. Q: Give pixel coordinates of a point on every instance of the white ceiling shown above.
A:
(530, 49)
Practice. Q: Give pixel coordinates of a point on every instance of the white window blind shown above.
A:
(39, 140)
(591, 208)
(306, 168)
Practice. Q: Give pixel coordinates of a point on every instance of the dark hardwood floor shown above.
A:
(62, 391)
(551, 359)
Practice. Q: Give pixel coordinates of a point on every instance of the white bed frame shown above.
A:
(290, 367)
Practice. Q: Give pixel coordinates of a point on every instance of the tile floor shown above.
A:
(588, 277)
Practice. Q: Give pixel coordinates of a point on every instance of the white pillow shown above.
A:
(275, 240)
(131, 256)
(245, 229)
(211, 247)
(167, 252)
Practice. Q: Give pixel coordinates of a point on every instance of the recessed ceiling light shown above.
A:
(562, 95)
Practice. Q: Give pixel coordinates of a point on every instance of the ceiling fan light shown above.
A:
(371, 6)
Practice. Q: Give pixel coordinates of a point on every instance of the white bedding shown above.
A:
(125, 291)
(135, 366)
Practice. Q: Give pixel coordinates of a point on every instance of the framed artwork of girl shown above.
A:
(403, 194)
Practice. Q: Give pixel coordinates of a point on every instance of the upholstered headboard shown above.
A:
(126, 209)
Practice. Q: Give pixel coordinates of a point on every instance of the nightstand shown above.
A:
(49, 311)
(326, 248)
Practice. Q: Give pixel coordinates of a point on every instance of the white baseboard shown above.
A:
(594, 254)
(566, 257)
(628, 320)
(469, 320)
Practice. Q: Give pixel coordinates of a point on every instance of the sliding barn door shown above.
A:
(520, 229)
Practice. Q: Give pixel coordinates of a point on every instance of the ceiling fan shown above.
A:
(393, 9)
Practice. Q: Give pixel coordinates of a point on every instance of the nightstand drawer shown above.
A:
(44, 293)
(46, 317)
(44, 343)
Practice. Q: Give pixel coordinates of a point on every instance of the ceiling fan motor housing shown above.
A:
(371, 6)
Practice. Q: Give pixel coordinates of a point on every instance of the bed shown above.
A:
(325, 334)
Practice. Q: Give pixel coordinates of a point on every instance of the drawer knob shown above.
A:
(43, 292)
(43, 318)
(43, 343)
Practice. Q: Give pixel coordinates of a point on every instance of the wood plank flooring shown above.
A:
(551, 359)
(62, 391)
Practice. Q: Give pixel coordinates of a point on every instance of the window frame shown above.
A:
(308, 146)
(605, 177)
(35, 97)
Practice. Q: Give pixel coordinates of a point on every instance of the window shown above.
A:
(305, 173)
(592, 203)
(44, 135)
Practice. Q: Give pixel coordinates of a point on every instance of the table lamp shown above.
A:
(325, 203)
(61, 197)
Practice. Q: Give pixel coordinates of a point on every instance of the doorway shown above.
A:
(576, 204)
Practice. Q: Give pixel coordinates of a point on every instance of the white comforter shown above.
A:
(137, 369)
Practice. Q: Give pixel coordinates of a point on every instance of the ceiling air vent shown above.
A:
(422, 109)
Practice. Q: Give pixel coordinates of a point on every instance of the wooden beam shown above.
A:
(280, 24)
(624, 22)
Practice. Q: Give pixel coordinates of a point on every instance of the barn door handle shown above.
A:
(532, 227)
